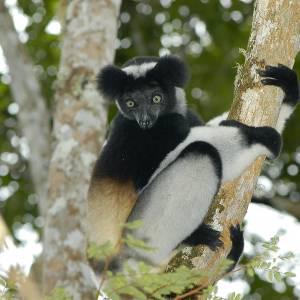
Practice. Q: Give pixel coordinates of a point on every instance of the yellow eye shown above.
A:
(130, 103)
(156, 99)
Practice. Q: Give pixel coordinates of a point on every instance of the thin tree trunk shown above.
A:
(275, 38)
(33, 116)
(79, 127)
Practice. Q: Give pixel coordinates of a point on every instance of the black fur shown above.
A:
(134, 154)
(170, 71)
(193, 119)
(204, 235)
(237, 239)
(265, 135)
(111, 82)
(285, 78)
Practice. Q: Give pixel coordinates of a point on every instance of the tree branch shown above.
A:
(79, 128)
(275, 38)
(33, 117)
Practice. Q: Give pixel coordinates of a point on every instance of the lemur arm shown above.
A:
(280, 76)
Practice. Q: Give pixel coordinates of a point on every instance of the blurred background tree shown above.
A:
(207, 34)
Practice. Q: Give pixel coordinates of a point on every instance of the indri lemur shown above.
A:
(162, 165)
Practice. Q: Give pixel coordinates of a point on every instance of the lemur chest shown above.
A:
(134, 154)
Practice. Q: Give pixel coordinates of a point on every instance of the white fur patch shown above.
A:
(174, 205)
(285, 112)
(139, 70)
(230, 143)
(218, 119)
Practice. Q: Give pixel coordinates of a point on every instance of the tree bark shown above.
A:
(79, 127)
(33, 117)
(275, 38)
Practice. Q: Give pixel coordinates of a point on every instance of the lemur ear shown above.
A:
(173, 70)
(110, 81)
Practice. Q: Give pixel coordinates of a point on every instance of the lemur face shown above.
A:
(145, 87)
(144, 104)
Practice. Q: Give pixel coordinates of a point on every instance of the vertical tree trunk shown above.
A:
(33, 116)
(79, 127)
(275, 38)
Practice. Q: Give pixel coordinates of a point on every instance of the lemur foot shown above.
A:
(283, 77)
(205, 235)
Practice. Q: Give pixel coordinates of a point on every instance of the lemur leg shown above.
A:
(204, 235)
(280, 76)
(176, 202)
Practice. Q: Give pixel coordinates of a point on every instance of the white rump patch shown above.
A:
(139, 70)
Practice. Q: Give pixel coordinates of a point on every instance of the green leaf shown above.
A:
(59, 294)
(270, 275)
(287, 256)
(234, 296)
(250, 272)
(289, 274)
(143, 267)
(134, 243)
(134, 292)
(100, 252)
(278, 276)
(133, 225)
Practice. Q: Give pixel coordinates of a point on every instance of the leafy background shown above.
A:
(207, 34)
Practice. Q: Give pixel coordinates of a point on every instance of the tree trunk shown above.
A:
(79, 127)
(33, 117)
(275, 38)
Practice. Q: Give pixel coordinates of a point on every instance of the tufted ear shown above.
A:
(172, 70)
(110, 81)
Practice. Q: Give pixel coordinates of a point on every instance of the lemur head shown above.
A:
(146, 88)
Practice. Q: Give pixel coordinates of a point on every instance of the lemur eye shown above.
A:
(130, 103)
(156, 99)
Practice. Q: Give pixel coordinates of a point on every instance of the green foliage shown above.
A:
(59, 294)
(234, 296)
(100, 252)
(142, 283)
(269, 262)
(8, 290)
(133, 225)
(132, 242)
